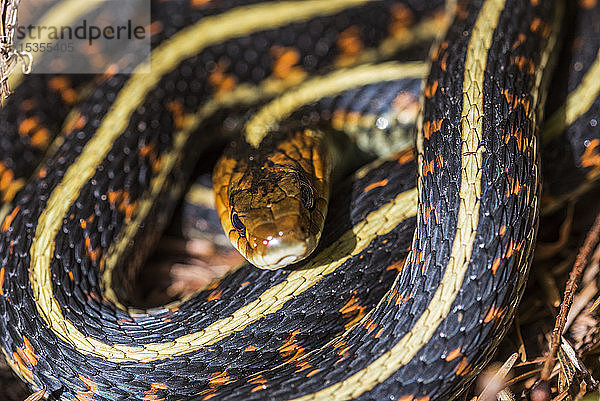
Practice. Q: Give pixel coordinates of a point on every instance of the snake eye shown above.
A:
(307, 196)
(237, 224)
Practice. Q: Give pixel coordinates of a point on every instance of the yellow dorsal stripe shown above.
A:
(468, 214)
(267, 118)
(577, 103)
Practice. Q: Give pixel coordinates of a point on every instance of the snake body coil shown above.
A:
(368, 316)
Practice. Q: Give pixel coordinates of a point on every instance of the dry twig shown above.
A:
(571, 287)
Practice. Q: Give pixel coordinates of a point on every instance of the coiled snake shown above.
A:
(370, 314)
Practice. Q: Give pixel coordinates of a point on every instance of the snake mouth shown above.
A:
(280, 253)
(271, 249)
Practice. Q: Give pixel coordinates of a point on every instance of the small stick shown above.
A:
(8, 55)
(580, 262)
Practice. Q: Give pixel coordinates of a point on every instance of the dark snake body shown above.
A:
(335, 337)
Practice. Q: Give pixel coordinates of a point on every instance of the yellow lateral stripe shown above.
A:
(62, 14)
(468, 215)
(353, 242)
(266, 119)
(577, 103)
(145, 206)
(188, 42)
(245, 94)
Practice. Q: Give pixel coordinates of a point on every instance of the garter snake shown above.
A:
(362, 318)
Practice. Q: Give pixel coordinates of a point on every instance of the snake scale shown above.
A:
(413, 282)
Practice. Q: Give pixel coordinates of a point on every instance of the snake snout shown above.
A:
(278, 245)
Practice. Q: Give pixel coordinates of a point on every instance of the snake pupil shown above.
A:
(237, 224)
(306, 195)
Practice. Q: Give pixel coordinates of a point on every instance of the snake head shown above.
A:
(272, 205)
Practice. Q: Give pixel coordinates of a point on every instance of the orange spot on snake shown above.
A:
(69, 95)
(258, 380)
(525, 64)
(352, 311)
(514, 101)
(22, 366)
(59, 83)
(398, 265)
(156, 27)
(431, 89)
(214, 295)
(517, 134)
(28, 125)
(258, 388)
(75, 123)
(29, 352)
(514, 187)
(303, 365)
(512, 247)
(9, 219)
(455, 353)
(441, 49)
(370, 326)
(218, 379)
(587, 4)
(62, 85)
(502, 230)
(430, 127)
(150, 394)
(40, 137)
(374, 185)
(90, 251)
(493, 313)
(121, 200)
(6, 179)
(406, 156)
(496, 265)
(537, 25)
(520, 40)
(221, 81)
(402, 19)
(350, 45)
(343, 349)
(178, 111)
(199, 3)
(2, 272)
(444, 62)
(428, 167)
(463, 367)
(92, 389)
(591, 155)
(285, 64)
(291, 350)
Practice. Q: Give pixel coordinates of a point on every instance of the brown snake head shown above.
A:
(272, 200)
